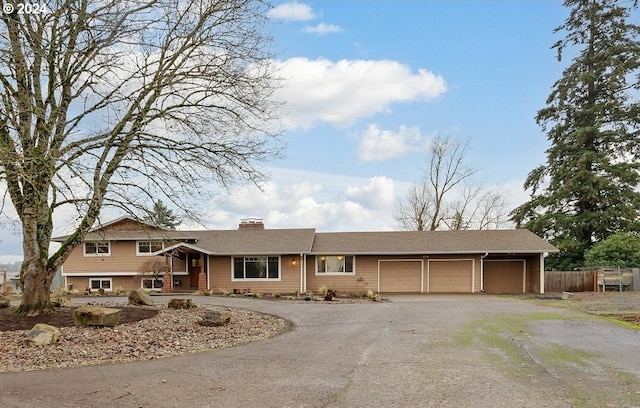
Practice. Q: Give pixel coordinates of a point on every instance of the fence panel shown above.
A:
(570, 281)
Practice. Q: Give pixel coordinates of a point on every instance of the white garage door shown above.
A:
(400, 276)
(450, 276)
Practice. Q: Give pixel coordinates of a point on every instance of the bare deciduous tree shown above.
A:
(447, 196)
(117, 103)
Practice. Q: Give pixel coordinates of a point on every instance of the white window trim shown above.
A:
(335, 273)
(152, 279)
(84, 248)
(101, 279)
(233, 267)
(138, 253)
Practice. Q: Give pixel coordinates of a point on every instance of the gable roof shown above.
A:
(430, 242)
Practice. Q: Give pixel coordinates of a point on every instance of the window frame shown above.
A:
(97, 245)
(151, 242)
(153, 281)
(101, 280)
(265, 279)
(335, 273)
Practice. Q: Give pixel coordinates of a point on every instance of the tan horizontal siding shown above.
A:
(365, 278)
(127, 283)
(220, 277)
(122, 259)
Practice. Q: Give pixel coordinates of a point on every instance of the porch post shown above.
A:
(167, 284)
(202, 276)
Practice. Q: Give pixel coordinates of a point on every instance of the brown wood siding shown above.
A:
(504, 276)
(122, 258)
(450, 276)
(220, 277)
(400, 276)
(364, 279)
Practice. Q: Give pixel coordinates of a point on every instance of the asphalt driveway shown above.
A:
(413, 351)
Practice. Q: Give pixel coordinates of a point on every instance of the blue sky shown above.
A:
(369, 83)
(372, 82)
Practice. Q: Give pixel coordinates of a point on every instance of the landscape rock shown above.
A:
(213, 318)
(180, 304)
(139, 298)
(61, 301)
(42, 334)
(96, 316)
(5, 303)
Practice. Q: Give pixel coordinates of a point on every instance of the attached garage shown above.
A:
(400, 276)
(450, 275)
(504, 276)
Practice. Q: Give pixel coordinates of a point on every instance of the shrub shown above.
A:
(323, 290)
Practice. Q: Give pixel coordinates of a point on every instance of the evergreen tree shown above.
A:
(588, 188)
(162, 216)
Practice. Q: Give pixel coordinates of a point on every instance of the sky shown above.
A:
(367, 86)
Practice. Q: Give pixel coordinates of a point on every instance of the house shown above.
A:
(296, 260)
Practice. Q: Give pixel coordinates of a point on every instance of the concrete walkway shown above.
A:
(413, 351)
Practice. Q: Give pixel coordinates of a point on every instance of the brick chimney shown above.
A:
(251, 223)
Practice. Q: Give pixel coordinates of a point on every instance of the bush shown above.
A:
(617, 250)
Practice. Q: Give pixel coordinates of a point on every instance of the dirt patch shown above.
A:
(624, 306)
(10, 320)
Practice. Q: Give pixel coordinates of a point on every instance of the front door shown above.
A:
(193, 274)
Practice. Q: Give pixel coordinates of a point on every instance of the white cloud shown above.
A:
(292, 11)
(342, 92)
(296, 199)
(380, 144)
(322, 29)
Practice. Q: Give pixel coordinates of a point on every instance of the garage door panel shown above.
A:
(503, 276)
(400, 276)
(451, 276)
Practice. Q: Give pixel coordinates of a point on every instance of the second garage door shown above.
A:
(450, 276)
(400, 276)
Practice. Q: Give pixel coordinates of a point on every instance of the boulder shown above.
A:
(4, 303)
(139, 298)
(180, 304)
(215, 318)
(42, 334)
(61, 301)
(96, 316)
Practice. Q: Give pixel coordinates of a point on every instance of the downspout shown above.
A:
(482, 271)
(542, 255)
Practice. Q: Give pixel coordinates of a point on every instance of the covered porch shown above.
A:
(186, 268)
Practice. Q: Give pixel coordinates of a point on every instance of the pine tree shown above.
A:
(163, 216)
(588, 188)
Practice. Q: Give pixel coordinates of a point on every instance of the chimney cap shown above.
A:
(251, 223)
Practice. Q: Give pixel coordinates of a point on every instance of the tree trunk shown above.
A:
(36, 284)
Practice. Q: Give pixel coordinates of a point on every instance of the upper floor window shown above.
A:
(256, 267)
(149, 247)
(335, 264)
(97, 248)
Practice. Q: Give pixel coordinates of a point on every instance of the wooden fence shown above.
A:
(570, 281)
(588, 281)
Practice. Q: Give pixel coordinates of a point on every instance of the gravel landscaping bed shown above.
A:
(170, 332)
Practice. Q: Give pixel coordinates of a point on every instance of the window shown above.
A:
(256, 267)
(97, 248)
(149, 247)
(335, 264)
(100, 283)
(153, 284)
